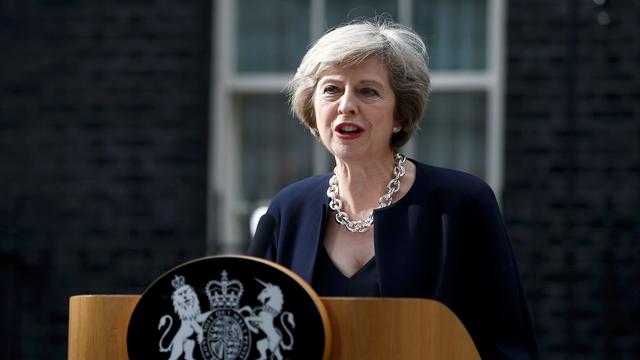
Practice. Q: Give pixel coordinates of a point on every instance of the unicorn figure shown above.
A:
(262, 318)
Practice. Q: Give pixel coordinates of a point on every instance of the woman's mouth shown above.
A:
(348, 131)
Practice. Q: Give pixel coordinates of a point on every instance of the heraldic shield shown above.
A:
(229, 308)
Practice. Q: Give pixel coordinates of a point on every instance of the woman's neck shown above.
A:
(361, 184)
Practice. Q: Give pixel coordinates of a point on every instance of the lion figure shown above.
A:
(187, 306)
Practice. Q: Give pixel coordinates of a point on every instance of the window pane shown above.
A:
(276, 149)
(455, 32)
(340, 11)
(452, 133)
(272, 34)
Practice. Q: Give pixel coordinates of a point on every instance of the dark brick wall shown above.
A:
(572, 185)
(103, 136)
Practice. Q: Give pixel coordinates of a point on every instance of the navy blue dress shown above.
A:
(328, 280)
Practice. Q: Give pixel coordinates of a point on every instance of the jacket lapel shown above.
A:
(304, 259)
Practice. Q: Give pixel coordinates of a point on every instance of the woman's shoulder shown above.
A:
(302, 191)
(449, 182)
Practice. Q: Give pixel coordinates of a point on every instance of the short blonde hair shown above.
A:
(399, 48)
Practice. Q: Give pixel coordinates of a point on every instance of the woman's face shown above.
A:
(354, 110)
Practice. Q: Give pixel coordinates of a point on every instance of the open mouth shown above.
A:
(348, 129)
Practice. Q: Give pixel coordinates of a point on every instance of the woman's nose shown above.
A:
(348, 104)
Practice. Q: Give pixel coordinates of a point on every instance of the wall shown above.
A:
(103, 143)
(572, 172)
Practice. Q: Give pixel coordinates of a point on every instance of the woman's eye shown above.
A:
(369, 92)
(329, 89)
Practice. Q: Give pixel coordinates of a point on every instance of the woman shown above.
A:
(384, 225)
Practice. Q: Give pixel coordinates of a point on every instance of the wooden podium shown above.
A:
(361, 328)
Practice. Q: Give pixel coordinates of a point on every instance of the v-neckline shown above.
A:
(337, 268)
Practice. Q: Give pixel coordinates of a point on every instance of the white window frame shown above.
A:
(224, 203)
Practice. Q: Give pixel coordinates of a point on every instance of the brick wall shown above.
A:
(103, 136)
(572, 185)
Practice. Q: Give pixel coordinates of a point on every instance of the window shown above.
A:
(257, 147)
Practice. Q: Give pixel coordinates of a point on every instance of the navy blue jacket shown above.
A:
(444, 240)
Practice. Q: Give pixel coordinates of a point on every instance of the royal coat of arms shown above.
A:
(225, 331)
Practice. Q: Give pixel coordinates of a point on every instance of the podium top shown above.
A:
(362, 328)
(237, 314)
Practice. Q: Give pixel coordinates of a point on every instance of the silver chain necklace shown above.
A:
(361, 226)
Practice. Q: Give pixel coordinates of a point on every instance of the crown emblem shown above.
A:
(225, 293)
(178, 282)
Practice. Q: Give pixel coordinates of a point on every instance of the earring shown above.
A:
(396, 129)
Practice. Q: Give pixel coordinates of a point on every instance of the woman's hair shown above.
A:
(399, 48)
